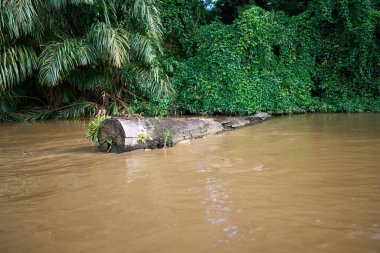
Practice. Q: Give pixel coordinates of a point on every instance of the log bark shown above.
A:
(121, 135)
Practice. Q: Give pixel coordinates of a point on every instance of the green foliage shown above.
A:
(58, 59)
(72, 111)
(93, 127)
(181, 19)
(245, 67)
(110, 145)
(75, 58)
(290, 7)
(17, 63)
(143, 138)
(320, 60)
(346, 51)
(166, 137)
(154, 107)
(63, 47)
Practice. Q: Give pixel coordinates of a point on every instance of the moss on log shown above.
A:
(121, 135)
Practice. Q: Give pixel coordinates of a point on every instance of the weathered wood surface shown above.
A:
(121, 135)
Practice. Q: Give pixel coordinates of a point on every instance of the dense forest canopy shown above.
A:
(73, 58)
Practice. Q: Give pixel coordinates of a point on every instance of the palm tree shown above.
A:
(105, 48)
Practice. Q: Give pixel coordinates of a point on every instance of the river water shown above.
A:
(307, 183)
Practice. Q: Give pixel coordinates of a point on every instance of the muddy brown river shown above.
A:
(307, 183)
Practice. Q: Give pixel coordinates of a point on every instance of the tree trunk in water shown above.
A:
(121, 135)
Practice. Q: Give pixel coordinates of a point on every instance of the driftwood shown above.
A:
(121, 135)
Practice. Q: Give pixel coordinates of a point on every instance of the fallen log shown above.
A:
(121, 135)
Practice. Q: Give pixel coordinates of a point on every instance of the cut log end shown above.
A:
(111, 136)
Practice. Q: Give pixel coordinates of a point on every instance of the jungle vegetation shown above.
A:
(80, 58)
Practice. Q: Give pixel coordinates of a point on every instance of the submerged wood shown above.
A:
(121, 135)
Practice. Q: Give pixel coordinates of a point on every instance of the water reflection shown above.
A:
(218, 204)
(133, 169)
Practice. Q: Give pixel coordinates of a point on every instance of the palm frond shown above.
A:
(142, 48)
(9, 101)
(18, 17)
(152, 79)
(109, 11)
(112, 43)
(88, 79)
(17, 63)
(82, 2)
(93, 127)
(33, 114)
(80, 109)
(148, 11)
(59, 58)
(76, 110)
(59, 4)
(2, 37)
